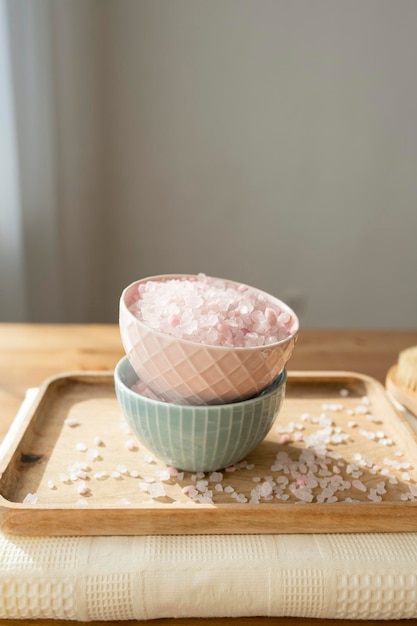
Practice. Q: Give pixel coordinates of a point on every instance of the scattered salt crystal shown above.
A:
(374, 496)
(51, 484)
(164, 475)
(81, 447)
(98, 441)
(406, 465)
(265, 489)
(30, 498)
(332, 406)
(157, 490)
(82, 489)
(93, 455)
(100, 475)
(134, 473)
(64, 478)
(116, 475)
(373, 419)
(216, 477)
(130, 445)
(386, 441)
(380, 488)
(71, 422)
(361, 409)
(344, 393)
(358, 484)
(122, 469)
(81, 474)
(229, 489)
(149, 458)
(284, 439)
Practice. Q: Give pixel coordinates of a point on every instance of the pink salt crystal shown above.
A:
(212, 312)
(83, 490)
(188, 488)
(358, 484)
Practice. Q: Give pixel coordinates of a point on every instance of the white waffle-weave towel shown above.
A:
(357, 576)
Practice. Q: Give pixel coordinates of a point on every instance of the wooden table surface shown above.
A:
(31, 353)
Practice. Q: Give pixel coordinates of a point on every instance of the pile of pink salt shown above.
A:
(212, 311)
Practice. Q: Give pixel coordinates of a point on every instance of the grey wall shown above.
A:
(272, 142)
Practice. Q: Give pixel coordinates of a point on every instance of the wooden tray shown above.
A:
(403, 395)
(365, 433)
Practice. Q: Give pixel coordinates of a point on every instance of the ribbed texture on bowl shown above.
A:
(193, 373)
(198, 438)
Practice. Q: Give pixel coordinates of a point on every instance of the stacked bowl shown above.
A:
(204, 376)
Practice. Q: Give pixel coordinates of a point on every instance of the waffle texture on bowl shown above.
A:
(183, 371)
(198, 438)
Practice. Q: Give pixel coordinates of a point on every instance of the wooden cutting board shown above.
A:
(337, 434)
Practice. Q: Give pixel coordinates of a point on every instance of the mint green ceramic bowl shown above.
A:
(199, 438)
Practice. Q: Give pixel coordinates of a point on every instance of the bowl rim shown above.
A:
(278, 383)
(165, 277)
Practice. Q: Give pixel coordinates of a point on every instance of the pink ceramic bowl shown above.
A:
(186, 372)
